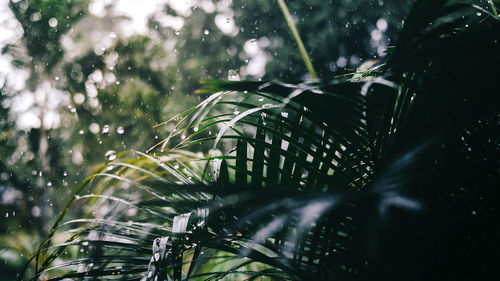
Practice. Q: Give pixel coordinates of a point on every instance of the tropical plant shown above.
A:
(391, 173)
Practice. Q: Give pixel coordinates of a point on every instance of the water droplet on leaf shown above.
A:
(110, 155)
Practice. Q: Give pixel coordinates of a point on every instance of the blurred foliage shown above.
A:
(44, 23)
(330, 29)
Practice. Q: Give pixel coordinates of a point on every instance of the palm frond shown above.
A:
(346, 179)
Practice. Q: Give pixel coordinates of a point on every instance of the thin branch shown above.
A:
(296, 36)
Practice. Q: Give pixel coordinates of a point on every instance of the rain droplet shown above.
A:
(176, 166)
(35, 16)
(157, 256)
(112, 35)
(94, 128)
(49, 184)
(110, 155)
(236, 112)
(233, 75)
(105, 129)
(36, 211)
(196, 129)
(206, 32)
(52, 22)
(183, 136)
(120, 130)
(253, 40)
(177, 32)
(57, 78)
(85, 243)
(284, 114)
(261, 99)
(81, 132)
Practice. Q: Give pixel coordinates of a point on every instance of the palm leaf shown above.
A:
(357, 178)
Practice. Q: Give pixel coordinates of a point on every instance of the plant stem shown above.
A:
(296, 36)
(493, 7)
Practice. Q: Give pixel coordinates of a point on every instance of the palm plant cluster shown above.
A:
(391, 173)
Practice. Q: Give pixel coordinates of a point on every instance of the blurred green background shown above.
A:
(81, 78)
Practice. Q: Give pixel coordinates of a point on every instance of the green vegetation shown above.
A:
(389, 171)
